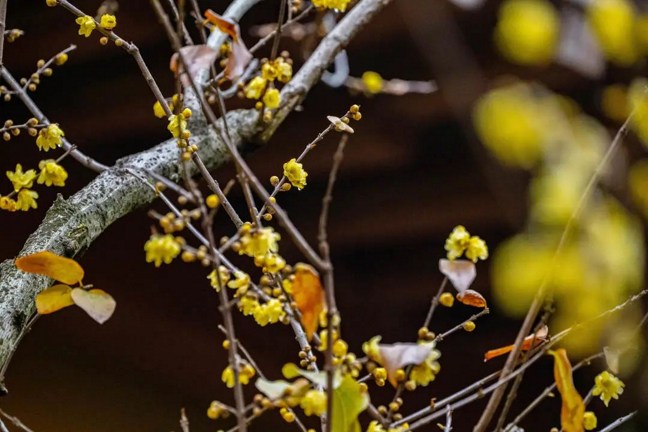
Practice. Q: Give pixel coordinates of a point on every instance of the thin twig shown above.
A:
(16, 421)
(618, 422)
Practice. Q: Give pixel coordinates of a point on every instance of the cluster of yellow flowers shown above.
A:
(263, 86)
(50, 137)
(87, 24)
(246, 372)
(460, 241)
(528, 31)
(51, 174)
(295, 173)
(161, 248)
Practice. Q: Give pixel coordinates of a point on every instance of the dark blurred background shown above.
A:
(412, 171)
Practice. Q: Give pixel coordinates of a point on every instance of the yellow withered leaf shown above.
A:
(54, 298)
(97, 303)
(308, 293)
(573, 408)
(49, 264)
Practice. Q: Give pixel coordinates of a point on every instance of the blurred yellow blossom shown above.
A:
(248, 305)
(272, 98)
(245, 373)
(269, 312)
(161, 248)
(50, 137)
(20, 179)
(527, 31)
(223, 274)
(314, 403)
(7, 204)
(51, 173)
(607, 386)
(638, 97)
(177, 125)
(459, 242)
(372, 81)
(260, 242)
(372, 350)
(241, 281)
(512, 122)
(426, 372)
(477, 249)
(613, 24)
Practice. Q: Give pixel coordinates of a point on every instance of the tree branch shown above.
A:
(72, 224)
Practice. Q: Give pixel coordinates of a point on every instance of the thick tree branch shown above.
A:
(72, 224)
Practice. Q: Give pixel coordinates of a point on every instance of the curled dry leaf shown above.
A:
(291, 370)
(49, 264)
(528, 343)
(53, 299)
(340, 126)
(399, 355)
(97, 303)
(472, 298)
(461, 273)
(573, 407)
(308, 294)
(291, 392)
(240, 55)
(195, 58)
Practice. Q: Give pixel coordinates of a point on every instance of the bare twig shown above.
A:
(16, 421)
(618, 422)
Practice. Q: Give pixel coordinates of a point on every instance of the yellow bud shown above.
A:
(469, 326)
(212, 201)
(446, 299)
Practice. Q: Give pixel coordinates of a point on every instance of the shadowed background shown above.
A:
(412, 171)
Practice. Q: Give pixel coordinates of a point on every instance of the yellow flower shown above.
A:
(295, 173)
(527, 31)
(244, 375)
(26, 199)
(268, 313)
(247, 305)
(372, 81)
(477, 249)
(213, 278)
(86, 25)
(607, 386)
(268, 71)
(339, 5)
(241, 281)
(217, 410)
(511, 123)
(613, 24)
(457, 242)
(21, 179)
(314, 403)
(50, 137)
(426, 372)
(108, 21)
(255, 87)
(589, 420)
(161, 248)
(177, 125)
(273, 263)
(285, 71)
(375, 426)
(372, 350)
(272, 98)
(7, 204)
(51, 173)
(260, 242)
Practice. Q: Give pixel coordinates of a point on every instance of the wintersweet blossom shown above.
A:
(272, 98)
(295, 173)
(86, 25)
(26, 199)
(607, 386)
(50, 137)
(255, 87)
(224, 275)
(108, 22)
(269, 312)
(161, 248)
(339, 5)
(177, 125)
(313, 403)
(20, 179)
(589, 420)
(426, 372)
(51, 173)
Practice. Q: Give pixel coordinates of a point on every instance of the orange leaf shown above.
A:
(223, 24)
(240, 55)
(472, 298)
(573, 408)
(399, 355)
(49, 264)
(97, 303)
(53, 298)
(308, 293)
(535, 339)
